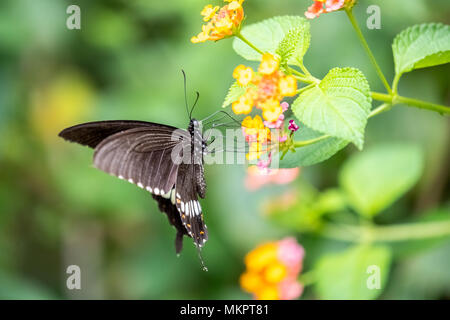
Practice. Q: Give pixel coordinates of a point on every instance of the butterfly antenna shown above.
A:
(185, 94)
(195, 103)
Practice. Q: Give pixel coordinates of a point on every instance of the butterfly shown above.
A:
(164, 160)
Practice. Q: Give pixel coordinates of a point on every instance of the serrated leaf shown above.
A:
(421, 46)
(314, 153)
(295, 44)
(234, 92)
(377, 177)
(338, 106)
(351, 274)
(266, 35)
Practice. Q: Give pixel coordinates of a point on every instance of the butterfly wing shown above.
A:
(166, 205)
(188, 205)
(92, 133)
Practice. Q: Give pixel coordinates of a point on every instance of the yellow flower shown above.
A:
(287, 86)
(223, 22)
(252, 126)
(271, 110)
(243, 75)
(272, 270)
(208, 12)
(243, 105)
(267, 293)
(260, 257)
(275, 272)
(269, 64)
(255, 152)
(250, 281)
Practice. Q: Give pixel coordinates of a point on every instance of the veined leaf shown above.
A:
(267, 35)
(374, 179)
(421, 46)
(314, 153)
(338, 106)
(294, 45)
(354, 273)
(234, 92)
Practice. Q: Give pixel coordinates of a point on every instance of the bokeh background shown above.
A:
(124, 63)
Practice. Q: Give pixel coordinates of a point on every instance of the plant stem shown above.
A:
(424, 105)
(298, 144)
(380, 109)
(368, 51)
(401, 232)
(397, 99)
(240, 36)
(307, 278)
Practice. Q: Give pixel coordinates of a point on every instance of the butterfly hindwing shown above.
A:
(188, 205)
(166, 206)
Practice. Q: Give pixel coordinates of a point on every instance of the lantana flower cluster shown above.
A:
(265, 90)
(272, 270)
(326, 6)
(221, 22)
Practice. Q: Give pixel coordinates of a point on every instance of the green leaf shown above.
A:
(421, 46)
(234, 92)
(374, 179)
(348, 275)
(314, 153)
(338, 106)
(267, 35)
(295, 44)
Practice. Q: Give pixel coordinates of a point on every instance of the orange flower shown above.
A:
(269, 64)
(255, 152)
(287, 86)
(252, 126)
(222, 22)
(243, 75)
(325, 6)
(272, 270)
(243, 105)
(271, 110)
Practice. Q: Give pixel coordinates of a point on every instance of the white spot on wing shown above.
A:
(156, 191)
(140, 185)
(149, 189)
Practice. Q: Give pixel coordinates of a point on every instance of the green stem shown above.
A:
(307, 278)
(368, 51)
(240, 36)
(309, 86)
(298, 144)
(380, 109)
(397, 99)
(395, 83)
(424, 105)
(402, 232)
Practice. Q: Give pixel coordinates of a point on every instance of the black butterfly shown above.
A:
(164, 160)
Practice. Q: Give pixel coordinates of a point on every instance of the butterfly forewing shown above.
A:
(133, 155)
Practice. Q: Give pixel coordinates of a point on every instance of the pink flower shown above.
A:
(282, 139)
(323, 6)
(284, 105)
(277, 124)
(293, 126)
(314, 10)
(333, 5)
(291, 253)
(290, 289)
(256, 179)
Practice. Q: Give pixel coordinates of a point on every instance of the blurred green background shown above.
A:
(124, 63)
